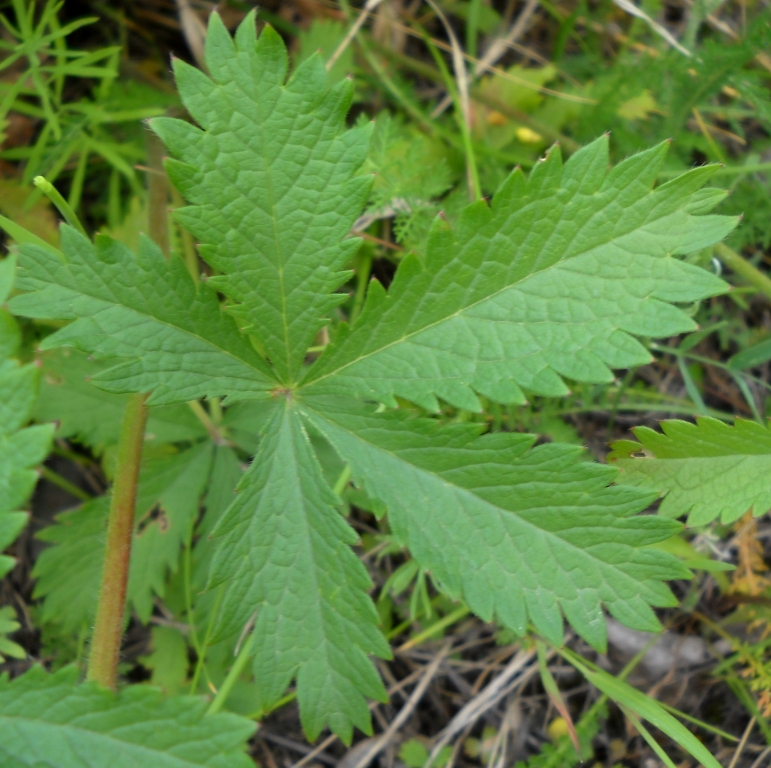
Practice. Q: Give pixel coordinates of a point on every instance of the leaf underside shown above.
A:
(708, 470)
(92, 416)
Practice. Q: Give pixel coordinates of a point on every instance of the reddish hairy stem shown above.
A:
(108, 630)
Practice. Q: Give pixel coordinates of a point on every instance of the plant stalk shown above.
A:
(738, 264)
(108, 630)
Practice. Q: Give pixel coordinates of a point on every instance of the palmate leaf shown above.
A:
(550, 280)
(707, 470)
(285, 556)
(520, 533)
(271, 177)
(50, 720)
(177, 342)
(20, 449)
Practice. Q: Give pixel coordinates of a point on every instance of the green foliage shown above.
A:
(598, 267)
(307, 586)
(9, 625)
(399, 156)
(707, 470)
(324, 36)
(67, 573)
(93, 416)
(498, 523)
(562, 753)
(21, 449)
(559, 278)
(144, 309)
(50, 720)
(273, 184)
(73, 132)
(554, 278)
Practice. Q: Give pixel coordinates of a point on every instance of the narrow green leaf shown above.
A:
(753, 356)
(645, 707)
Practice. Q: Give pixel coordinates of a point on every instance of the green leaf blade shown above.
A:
(285, 558)
(522, 534)
(49, 720)
(91, 415)
(177, 342)
(272, 182)
(708, 470)
(553, 280)
(21, 448)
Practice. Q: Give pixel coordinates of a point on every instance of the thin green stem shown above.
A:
(214, 432)
(342, 481)
(53, 194)
(201, 662)
(465, 129)
(215, 410)
(186, 558)
(363, 272)
(744, 269)
(472, 28)
(64, 484)
(238, 667)
(188, 244)
(436, 628)
(108, 629)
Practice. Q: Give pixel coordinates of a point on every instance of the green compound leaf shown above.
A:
(20, 449)
(177, 342)
(285, 556)
(520, 533)
(49, 720)
(552, 279)
(271, 179)
(707, 470)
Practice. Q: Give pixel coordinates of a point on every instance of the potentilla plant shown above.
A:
(556, 277)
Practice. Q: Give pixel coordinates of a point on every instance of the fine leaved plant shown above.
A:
(563, 274)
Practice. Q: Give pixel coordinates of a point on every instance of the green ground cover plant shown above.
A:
(248, 379)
